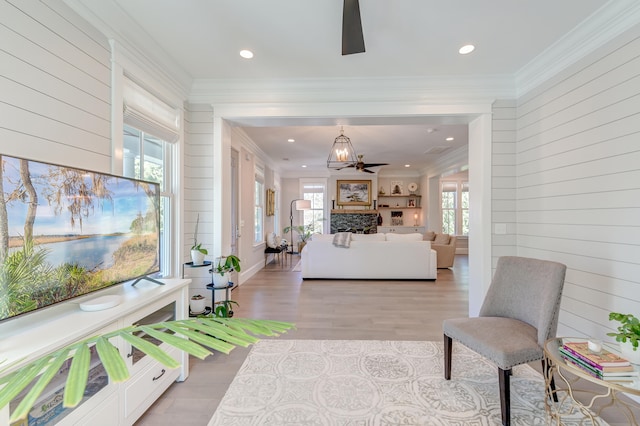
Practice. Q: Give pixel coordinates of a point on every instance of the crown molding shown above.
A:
(151, 65)
(420, 89)
(606, 23)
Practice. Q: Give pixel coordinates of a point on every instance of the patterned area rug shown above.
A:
(359, 382)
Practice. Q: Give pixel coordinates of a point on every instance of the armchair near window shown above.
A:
(519, 313)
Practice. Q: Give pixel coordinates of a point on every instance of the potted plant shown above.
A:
(197, 251)
(223, 268)
(628, 335)
(197, 304)
(303, 231)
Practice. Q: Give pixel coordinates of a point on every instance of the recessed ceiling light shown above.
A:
(304, 165)
(449, 139)
(291, 140)
(407, 165)
(247, 54)
(466, 49)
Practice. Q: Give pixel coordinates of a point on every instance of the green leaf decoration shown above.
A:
(203, 339)
(51, 370)
(78, 376)
(113, 363)
(152, 350)
(193, 336)
(188, 346)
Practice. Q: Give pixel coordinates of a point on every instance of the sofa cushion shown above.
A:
(403, 237)
(442, 239)
(322, 237)
(429, 236)
(368, 237)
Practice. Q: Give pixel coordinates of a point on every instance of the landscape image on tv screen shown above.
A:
(66, 232)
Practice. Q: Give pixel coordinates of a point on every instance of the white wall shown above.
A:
(578, 183)
(55, 91)
(198, 186)
(503, 180)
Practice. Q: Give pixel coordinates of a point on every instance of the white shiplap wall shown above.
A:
(503, 179)
(54, 86)
(578, 183)
(198, 187)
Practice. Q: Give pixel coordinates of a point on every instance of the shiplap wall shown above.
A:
(503, 179)
(578, 183)
(55, 94)
(198, 187)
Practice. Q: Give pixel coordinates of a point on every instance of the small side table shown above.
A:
(227, 288)
(567, 386)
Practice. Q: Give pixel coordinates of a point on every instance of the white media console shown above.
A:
(28, 337)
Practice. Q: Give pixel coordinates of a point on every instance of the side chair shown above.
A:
(519, 313)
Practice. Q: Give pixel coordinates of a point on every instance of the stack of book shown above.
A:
(604, 365)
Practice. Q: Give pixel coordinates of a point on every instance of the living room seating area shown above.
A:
(370, 256)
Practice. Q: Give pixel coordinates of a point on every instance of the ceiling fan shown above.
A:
(361, 166)
(352, 37)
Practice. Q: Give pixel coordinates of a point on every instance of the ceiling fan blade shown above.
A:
(350, 165)
(352, 37)
(375, 164)
(367, 171)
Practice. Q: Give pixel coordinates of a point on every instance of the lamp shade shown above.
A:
(342, 153)
(303, 204)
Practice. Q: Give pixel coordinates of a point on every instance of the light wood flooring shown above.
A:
(321, 309)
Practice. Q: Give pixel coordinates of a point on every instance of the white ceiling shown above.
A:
(301, 39)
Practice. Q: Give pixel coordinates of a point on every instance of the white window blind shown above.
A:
(146, 112)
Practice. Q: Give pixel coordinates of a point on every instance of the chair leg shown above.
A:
(505, 395)
(546, 367)
(448, 344)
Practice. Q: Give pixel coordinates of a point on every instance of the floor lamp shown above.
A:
(300, 205)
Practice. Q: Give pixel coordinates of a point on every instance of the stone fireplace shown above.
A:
(361, 221)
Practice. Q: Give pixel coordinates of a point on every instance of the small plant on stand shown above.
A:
(197, 304)
(223, 268)
(223, 309)
(197, 251)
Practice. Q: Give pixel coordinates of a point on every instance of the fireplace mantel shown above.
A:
(353, 211)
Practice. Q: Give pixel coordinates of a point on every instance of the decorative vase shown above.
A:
(301, 245)
(197, 304)
(197, 257)
(626, 350)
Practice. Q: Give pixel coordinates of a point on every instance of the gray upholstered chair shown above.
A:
(519, 313)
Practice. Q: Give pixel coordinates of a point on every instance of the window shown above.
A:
(149, 158)
(464, 208)
(314, 192)
(258, 197)
(150, 128)
(455, 207)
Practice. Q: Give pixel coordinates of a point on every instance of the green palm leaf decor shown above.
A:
(194, 336)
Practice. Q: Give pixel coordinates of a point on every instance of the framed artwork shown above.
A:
(271, 202)
(354, 192)
(396, 187)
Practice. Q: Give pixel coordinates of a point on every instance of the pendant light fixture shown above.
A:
(342, 153)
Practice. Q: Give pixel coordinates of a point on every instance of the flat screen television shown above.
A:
(67, 232)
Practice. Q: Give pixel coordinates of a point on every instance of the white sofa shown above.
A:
(370, 256)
